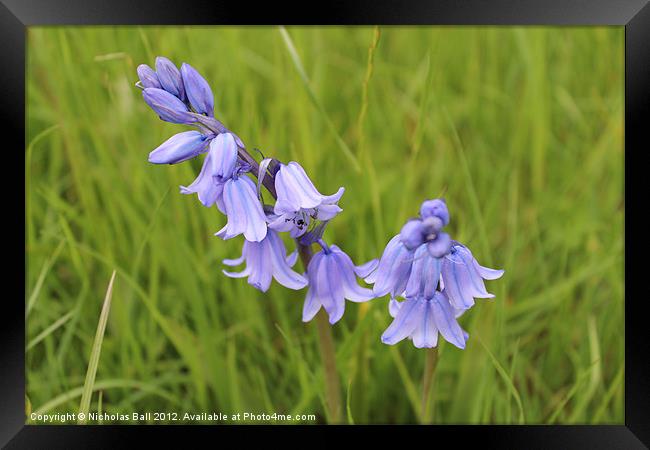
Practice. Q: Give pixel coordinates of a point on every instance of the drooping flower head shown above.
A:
(299, 201)
(424, 232)
(218, 167)
(462, 277)
(439, 279)
(421, 319)
(243, 208)
(265, 260)
(332, 279)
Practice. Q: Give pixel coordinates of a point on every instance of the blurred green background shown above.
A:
(521, 129)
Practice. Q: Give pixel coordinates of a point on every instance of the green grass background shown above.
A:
(520, 128)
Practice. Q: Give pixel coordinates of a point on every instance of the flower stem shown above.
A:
(326, 345)
(430, 365)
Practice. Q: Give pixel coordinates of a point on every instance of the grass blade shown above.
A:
(312, 96)
(94, 354)
(49, 330)
(508, 382)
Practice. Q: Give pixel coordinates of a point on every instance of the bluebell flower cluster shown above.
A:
(437, 277)
(183, 96)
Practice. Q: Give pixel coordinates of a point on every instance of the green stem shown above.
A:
(332, 385)
(430, 365)
(328, 356)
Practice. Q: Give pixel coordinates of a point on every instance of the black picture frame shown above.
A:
(634, 15)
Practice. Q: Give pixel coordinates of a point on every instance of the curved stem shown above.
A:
(326, 342)
(430, 365)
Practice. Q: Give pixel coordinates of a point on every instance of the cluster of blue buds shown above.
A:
(437, 277)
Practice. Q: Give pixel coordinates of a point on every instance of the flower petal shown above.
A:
(327, 212)
(245, 214)
(351, 290)
(393, 270)
(426, 332)
(234, 262)
(425, 273)
(455, 280)
(393, 307)
(244, 273)
(329, 288)
(364, 270)
(294, 189)
(311, 307)
(487, 273)
(331, 199)
(292, 258)
(258, 258)
(312, 302)
(445, 320)
(208, 189)
(281, 270)
(405, 321)
(223, 150)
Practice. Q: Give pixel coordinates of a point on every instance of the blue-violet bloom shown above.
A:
(218, 167)
(421, 319)
(462, 277)
(243, 208)
(332, 279)
(393, 270)
(298, 201)
(265, 260)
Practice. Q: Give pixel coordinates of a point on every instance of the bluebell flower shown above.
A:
(197, 90)
(148, 77)
(298, 201)
(244, 210)
(180, 147)
(332, 279)
(265, 260)
(168, 107)
(421, 319)
(170, 78)
(462, 277)
(424, 275)
(393, 270)
(218, 167)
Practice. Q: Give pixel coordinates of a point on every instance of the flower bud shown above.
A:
(180, 147)
(431, 225)
(170, 77)
(436, 207)
(439, 246)
(148, 77)
(411, 234)
(197, 90)
(167, 106)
